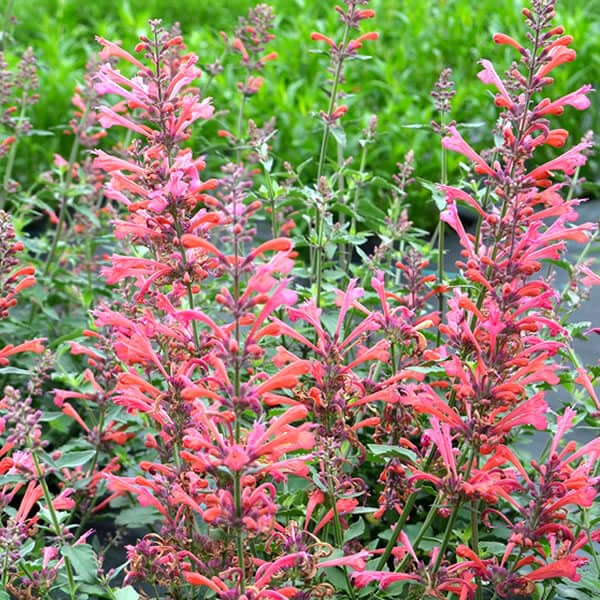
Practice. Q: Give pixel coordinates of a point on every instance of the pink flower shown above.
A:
(564, 567)
(577, 99)
(385, 579)
(567, 162)
(456, 143)
(489, 75)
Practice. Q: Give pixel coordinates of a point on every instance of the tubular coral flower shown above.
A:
(577, 99)
(558, 56)
(32, 494)
(564, 567)
(108, 118)
(319, 37)
(111, 49)
(567, 162)
(343, 506)
(501, 38)
(384, 579)
(253, 84)
(239, 46)
(358, 42)
(35, 345)
(454, 141)
(355, 561)
(489, 75)
(584, 379)
(106, 162)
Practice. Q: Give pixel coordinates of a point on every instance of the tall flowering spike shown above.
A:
(13, 279)
(196, 378)
(502, 331)
(339, 52)
(19, 91)
(250, 40)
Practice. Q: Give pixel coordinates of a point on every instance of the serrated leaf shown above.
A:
(391, 451)
(126, 593)
(339, 134)
(355, 530)
(84, 561)
(137, 516)
(74, 459)
(14, 371)
(6, 479)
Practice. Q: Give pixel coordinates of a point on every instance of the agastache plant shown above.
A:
(198, 381)
(21, 441)
(500, 342)
(351, 15)
(364, 440)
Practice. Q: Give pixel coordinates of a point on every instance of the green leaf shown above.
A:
(6, 479)
(391, 451)
(137, 516)
(126, 593)
(438, 196)
(74, 459)
(355, 530)
(84, 560)
(14, 371)
(339, 134)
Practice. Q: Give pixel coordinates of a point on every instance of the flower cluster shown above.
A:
(283, 429)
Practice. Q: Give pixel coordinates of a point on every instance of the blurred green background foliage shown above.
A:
(418, 38)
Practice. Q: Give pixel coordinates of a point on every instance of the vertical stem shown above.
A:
(410, 502)
(54, 519)
(5, 569)
(475, 543)
(320, 215)
(361, 170)
(447, 535)
(63, 205)
(12, 153)
(452, 520)
(339, 534)
(240, 124)
(343, 262)
(442, 234)
(237, 486)
(271, 197)
(6, 22)
(188, 285)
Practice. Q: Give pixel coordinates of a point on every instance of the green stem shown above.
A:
(442, 233)
(188, 285)
(5, 569)
(55, 522)
(237, 486)
(271, 198)
(415, 543)
(339, 534)
(475, 543)
(320, 216)
(240, 123)
(343, 259)
(455, 510)
(361, 171)
(63, 206)
(447, 535)
(6, 23)
(410, 502)
(319, 250)
(573, 184)
(10, 162)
